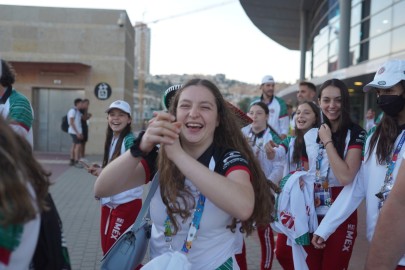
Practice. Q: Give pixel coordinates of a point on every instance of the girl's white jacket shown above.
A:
(273, 169)
(295, 214)
(367, 183)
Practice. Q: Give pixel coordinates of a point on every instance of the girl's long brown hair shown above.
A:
(107, 143)
(345, 120)
(227, 136)
(18, 167)
(299, 142)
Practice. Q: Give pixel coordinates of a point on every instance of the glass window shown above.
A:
(380, 23)
(355, 2)
(333, 48)
(334, 10)
(364, 49)
(321, 70)
(317, 43)
(398, 39)
(355, 54)
(320, 56)
(380, 46)
(365, 30)
(355, 35)
(319, 22)
(321, 40)
(333, 63)
(334, 27)
(398, 17)
(377, 5)
(308, 64)
(356, 15)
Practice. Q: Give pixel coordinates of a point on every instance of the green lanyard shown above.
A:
(388, 181)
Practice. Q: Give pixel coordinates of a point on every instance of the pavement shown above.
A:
(72, 192)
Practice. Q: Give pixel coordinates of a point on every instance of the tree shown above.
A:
(244, 104)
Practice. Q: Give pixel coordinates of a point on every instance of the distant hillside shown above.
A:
(237, 92)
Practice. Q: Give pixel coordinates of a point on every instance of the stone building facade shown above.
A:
(60, 54)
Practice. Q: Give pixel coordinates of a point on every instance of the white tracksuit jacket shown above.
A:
(273, 169)
(295, 213)
(367, 183)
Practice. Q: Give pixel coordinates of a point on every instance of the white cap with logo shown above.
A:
(388, 75)
(120, 104)
(267, 79)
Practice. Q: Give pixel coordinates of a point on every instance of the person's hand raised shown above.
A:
(270, 151)
(161, 130)
(173, 149)
(325, 134)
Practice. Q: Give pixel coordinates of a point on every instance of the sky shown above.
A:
(200, 37)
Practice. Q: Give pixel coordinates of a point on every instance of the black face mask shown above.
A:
(391, 104)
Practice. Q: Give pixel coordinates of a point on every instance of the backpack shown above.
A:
(51, 251)
(65, 124)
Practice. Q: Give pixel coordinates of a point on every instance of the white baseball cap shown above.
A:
(120, 104)
(267, 79)
(388, 75)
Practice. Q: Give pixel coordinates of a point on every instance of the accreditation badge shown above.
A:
(322, 196)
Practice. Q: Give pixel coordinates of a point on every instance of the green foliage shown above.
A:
(244, 104)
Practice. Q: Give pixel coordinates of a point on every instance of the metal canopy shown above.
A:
(278, 19)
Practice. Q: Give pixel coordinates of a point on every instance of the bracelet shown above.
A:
(327, 143)
(135, 150)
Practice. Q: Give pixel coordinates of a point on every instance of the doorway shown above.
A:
(50, 105)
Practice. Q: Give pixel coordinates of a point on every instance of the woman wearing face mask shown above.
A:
(388, 244)
(293, 147)
(334, 156)
(260, 136)
(382, 156)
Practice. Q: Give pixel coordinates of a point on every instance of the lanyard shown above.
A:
(318, 163)
(390, 168)
(194, 226)
(195, 223)
(394, 158)
(259, 137)
(257, 140)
